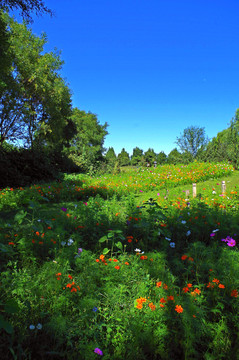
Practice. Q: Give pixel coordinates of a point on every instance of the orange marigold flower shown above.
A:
(165, 287)
(216, 281)
(69, 286)
(159, 283)
(58, 274)
(190, 259)
(221, 286)
(97, 260)
(139, 306)
(37, 233)
(110, 259)
(170, 297)
(234, 293)
(102, 257)
(184, 257)
(189, 285)
(152, 306)
(162, 300)
(161, 305)
(141, 300)
(115, 260)
(129, 240)
(126, 263)
(11, 243)
(185, 289)
(117, 267)
(209, 285)
(197, 291)
(179, 309)
(70, 277)
(73, 289)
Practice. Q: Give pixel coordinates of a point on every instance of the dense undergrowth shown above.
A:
(90, 270)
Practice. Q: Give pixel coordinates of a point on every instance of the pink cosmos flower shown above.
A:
(98, 351)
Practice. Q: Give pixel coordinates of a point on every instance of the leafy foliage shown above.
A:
(192, 140)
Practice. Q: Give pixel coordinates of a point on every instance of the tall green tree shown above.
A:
(137, 155)
(174, 157)
(123, 158)
(150, 156)
(35, 106)
(192, 140)
(110, 156)
(161, 158)
(86, 149)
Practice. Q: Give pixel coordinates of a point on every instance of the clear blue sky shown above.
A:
(149, 68)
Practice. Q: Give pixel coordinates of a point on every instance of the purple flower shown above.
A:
(80, 250)
(85, 203)
(95, 309)
(212, 234)
(64, 209)
(98, 351)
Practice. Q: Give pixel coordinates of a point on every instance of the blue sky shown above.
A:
(149, 68)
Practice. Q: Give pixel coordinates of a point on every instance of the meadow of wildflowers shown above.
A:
(127, 266)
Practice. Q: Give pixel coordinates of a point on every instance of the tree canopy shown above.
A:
(26, 7)
(35, 103)
(192, 139)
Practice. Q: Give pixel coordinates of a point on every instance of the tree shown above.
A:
(86, 146)
(161, 158)
(35, 104)
(150, 156)
(123, 158)
(26, 7)
(174, 157)
(110, 156)
(192, 140)
(137, 156)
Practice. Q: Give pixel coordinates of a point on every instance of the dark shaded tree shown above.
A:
(25, 7)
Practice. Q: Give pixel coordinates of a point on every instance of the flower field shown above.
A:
(122, 266)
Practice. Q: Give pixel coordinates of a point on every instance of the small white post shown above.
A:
(194, 190)
(223, 187)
